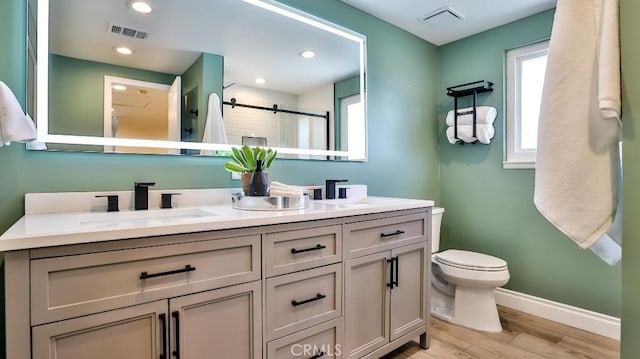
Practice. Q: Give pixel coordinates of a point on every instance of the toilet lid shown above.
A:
(470, 260)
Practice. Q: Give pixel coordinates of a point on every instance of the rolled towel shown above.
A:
(277, 189)
(484, 115)
(484, 133)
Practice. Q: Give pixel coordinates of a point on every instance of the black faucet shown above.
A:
(141, 195)
(330, 192)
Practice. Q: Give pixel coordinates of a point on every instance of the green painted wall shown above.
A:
(206, 74)
(491, 210)
(630, 28)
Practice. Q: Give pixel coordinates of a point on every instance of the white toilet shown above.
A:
(463, 283)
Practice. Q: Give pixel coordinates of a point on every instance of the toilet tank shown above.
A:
(436, 220)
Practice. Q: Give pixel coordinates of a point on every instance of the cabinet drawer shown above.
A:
(299, 300)
(65, 287)
(292, 251)
(368, 237)
(323, 340)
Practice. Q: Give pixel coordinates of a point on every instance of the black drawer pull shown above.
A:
(319, 355)
(176, 352)
(163, 327)
(391, 275)
(317, 247)
(318, 296)
(391, 234)
(187, 268)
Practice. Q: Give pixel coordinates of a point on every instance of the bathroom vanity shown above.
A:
(340, 278)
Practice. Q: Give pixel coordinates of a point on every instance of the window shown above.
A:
(352, 126)
(525, 77)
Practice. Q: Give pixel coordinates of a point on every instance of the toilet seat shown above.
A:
(471, 261)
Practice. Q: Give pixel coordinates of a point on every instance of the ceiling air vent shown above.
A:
(127, 31)
(442, 16)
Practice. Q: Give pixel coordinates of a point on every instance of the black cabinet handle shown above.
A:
(317, 247)
(318, 296)
(319, 355)
(383, 235)
(187, 268)
(391, 276)
(163, 326)
(397, 271)
(176, 317)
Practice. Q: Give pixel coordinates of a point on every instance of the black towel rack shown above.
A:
(471, 88)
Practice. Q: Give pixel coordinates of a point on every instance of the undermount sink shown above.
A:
(158, 215)
(346, 203)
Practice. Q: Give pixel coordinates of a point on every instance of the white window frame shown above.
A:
(515, 157)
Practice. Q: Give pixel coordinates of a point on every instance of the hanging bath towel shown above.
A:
(214, 131)
(576, 166)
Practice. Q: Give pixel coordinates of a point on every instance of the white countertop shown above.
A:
(54, 229)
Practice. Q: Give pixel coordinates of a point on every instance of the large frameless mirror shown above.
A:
(197, 77)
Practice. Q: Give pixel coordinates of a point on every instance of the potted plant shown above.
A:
(251, 163)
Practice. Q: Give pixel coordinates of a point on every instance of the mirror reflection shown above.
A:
(202, 73)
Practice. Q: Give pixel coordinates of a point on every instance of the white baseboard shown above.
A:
(587, 320)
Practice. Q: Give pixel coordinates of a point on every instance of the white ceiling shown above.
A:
(254, 42)
(477, 15)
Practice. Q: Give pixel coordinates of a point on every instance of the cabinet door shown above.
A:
(222, 323)
(366, 304)
(132, 333)
(409, 295)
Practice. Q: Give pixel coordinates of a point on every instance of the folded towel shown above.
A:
(15, 126)
(277, 189)
(484, 115)
(484, 133)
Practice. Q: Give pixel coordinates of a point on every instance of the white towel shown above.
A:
(214, 131)
(277, 189)
(484, 134)
(575, 177)
(484, 115)
(15, 126)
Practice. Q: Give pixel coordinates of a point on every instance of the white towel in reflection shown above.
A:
(484, 134)
(277, 189)
(484, 115)
(15, 126)
(214, 131)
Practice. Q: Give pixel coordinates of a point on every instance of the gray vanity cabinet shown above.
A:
(343, 287)
(385, 292)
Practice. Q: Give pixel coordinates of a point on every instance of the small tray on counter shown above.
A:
(266, 203)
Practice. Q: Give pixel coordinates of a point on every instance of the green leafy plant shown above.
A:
(246, 159)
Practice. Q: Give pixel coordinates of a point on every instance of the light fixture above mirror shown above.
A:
(234, 78)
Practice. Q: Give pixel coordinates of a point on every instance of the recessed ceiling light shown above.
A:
(122, 50)
(119, 87)
(308, 54)
(141, 6)
(260, 80)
